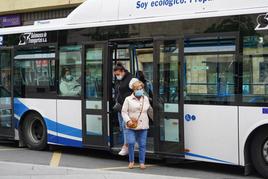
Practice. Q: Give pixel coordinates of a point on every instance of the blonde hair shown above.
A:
(136, 85)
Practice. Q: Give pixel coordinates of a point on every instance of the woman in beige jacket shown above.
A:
(135, 107)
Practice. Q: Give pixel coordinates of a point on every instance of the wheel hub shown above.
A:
(37, 131)
(265, 151)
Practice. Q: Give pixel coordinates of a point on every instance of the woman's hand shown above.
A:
(129, 123)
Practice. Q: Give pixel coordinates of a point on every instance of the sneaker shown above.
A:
(123, 151)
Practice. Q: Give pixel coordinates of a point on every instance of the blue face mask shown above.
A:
(139, 93)
(69, 77)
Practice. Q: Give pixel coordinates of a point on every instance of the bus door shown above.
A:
(168, 96)
(95, 104)
(6, 94)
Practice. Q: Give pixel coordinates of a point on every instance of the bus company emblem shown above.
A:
(262, 21)
(32, 38)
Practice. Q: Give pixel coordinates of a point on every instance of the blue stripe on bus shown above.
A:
(206, 157)
(20, 109)
(65, 141)
(63, 129)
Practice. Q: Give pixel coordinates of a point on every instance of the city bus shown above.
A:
(207, 61)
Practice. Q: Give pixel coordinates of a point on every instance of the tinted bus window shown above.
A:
(34, 71)
(255, 69)
(70, 71)
(210, 69)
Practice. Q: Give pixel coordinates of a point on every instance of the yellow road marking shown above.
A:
(125, 167)
(55, 160)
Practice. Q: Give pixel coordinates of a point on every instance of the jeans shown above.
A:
(141, 137)
(122, 127)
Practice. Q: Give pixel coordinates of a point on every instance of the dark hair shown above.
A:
(64, 70)
(119, 66)
(140, 76)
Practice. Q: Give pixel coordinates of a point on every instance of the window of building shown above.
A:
(210, 70)
(255, 69)
(70, 71)
(34, 71)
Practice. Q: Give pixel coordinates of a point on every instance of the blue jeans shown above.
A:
(141, 137)
(122, 126)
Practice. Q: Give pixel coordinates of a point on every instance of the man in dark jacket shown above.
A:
(122, 90)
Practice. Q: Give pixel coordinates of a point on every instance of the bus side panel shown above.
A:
(211, 133)
(69, 126)
(47, 109)
(250, 118)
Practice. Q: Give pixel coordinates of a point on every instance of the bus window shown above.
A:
(169, 76)
(70, 71)
(5, 89)
(94, 61)
(34, 71)
(255, 69)
(210, 70)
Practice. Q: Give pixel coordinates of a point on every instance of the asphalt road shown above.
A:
(61, 157)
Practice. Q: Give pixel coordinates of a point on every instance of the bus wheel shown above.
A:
(35, 132)
(259, 152)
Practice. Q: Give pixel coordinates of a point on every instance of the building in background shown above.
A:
(25, 12)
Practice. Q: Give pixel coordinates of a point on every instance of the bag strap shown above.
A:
(141, 109)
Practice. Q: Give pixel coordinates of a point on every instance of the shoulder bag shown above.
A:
(134, 121)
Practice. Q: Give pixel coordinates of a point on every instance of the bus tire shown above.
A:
(259, 152)
(35, 132)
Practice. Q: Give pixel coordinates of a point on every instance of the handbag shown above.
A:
(134, 121)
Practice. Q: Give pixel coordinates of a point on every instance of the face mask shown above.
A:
(139, 93)
(69, 77)
(118, 77)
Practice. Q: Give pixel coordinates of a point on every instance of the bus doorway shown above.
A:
(137, 58)
(6, 94)
(158, 64)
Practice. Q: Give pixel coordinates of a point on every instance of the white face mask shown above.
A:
(69, 77)
(119, 77)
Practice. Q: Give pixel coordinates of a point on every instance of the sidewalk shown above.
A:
(31, 171)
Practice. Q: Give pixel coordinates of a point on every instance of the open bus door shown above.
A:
(6, 94)
(168, 96)
(95, 105)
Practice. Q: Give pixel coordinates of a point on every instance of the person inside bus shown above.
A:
(90, 84)
(135, 115)
(122, 90)
(68, 85)
(148, 86)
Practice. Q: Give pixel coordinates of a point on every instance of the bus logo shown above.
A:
(262, 21)
(32, 38)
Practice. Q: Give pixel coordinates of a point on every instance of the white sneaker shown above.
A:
(123, 151)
